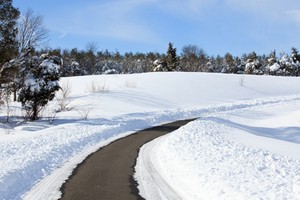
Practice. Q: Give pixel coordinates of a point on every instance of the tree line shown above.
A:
(31, 73)
(191, 59)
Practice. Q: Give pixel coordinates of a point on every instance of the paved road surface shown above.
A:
(107, 173)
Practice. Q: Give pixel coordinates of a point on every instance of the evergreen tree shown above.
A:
(38, 78)
(295, 57)
(172, 60)
(8, 44)
(229, 65)
(272, 65)
(286, 67)
(252, 64)
(272, 58)
(8, 31)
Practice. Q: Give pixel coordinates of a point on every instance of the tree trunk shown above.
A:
(15, 95)
(35, 113)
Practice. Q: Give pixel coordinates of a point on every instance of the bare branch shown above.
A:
(31, 31)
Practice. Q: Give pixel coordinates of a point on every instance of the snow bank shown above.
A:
(224, 156)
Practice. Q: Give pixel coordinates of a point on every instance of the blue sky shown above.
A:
(216, 26)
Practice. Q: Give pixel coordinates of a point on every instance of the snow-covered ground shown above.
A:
(249, 153)
(244, 145)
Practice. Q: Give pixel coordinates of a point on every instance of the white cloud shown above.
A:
(63, 34)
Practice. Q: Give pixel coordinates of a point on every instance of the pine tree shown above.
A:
(273, 65)
(39, 78)
(295, 57)
(252, 64)
(8, 31)
(8, 44)
(172, 60)
(229, 65)
(285, 64)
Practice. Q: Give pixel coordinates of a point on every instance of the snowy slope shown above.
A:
(250, 153)
(37, 157)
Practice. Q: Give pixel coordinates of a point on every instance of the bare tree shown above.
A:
(63, 98)
(92, 47)
(31, 31)
(191, 58)
(191, 51)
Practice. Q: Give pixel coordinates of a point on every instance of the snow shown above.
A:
(228, 153)
(225, 155)
(274, 67)
(49, 66)
(32, 84)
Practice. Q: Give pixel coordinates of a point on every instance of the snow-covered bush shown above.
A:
(274, 68)
(252, 67)
(159, 66)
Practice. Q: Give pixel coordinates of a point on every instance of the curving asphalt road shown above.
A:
(107, 173)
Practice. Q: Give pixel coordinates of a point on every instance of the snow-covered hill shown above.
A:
(239, 153)
(239, 122)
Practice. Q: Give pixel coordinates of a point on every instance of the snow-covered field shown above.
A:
(245, 145)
